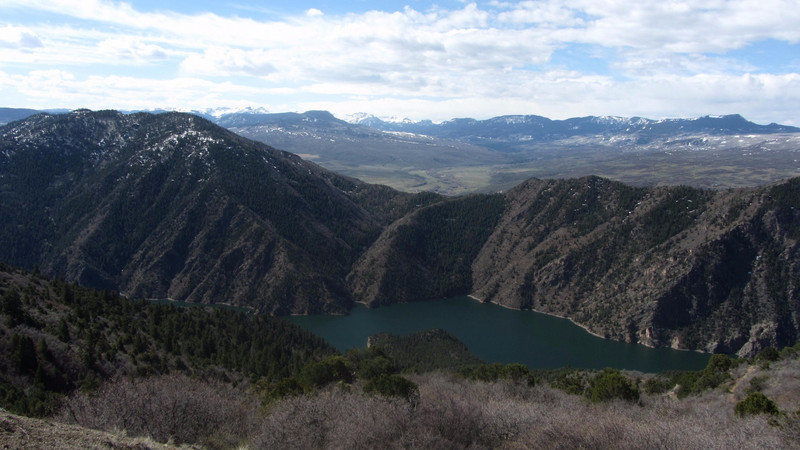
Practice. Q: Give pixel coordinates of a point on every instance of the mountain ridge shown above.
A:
(174, 206)
(730, 122)
(139, 203)
(468, 155)
(550, 128)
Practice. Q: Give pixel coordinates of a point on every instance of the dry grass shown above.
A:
(18, 432)
(783, 384)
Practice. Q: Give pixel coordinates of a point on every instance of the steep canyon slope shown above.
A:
(676, 266)
(670, 266)
(173, 206)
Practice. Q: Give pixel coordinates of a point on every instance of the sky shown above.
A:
(408, 59)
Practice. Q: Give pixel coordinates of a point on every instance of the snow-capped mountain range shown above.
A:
(531, 127)
(462, 155)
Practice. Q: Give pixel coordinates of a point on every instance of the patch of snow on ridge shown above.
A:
(368, 119)
(611, 120)
(217, 113)
(407, 134)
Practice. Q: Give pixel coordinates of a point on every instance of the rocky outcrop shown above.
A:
(666, 267)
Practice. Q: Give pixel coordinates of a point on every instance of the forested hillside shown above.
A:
(58, 337)
(217, 378)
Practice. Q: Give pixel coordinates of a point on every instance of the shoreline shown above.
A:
(583, 327)
(587, 329)
(548, 314)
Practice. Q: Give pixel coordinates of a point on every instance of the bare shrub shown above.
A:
(456, 413)
(334, 418)
(661, 423)
(172, 408)
(456, 420)
(463, 413)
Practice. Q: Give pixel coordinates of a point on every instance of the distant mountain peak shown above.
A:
(318, 115)
(222, 111)
(532, 127)
(369, 120)
(359, 118)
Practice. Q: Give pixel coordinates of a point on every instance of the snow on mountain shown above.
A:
(222, 111)
(371, 119)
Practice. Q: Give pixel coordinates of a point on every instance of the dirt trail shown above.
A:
(20, 432)
(737, 386)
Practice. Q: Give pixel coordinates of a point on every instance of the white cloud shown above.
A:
(468, 17)
(219, 61)
(640, 63)
(687, 27)
(56, 88)
(132, 49)
(662, 56)
(542, 13)
(460, 39)
(19, 38)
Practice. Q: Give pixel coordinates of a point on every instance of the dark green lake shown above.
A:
(497, 334)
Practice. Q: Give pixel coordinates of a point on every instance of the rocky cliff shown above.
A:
(671, 266)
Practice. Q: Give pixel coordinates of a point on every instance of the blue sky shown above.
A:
(415, 59)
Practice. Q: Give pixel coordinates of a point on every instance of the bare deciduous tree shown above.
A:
(172, 408)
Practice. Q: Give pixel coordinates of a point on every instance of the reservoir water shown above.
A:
(497, 334)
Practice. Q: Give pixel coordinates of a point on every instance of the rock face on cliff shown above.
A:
(671, 266)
